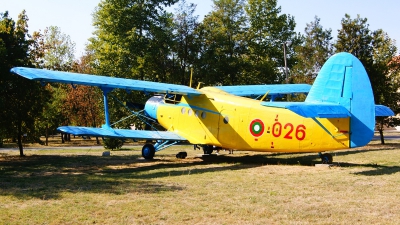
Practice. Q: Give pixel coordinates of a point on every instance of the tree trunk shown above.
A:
(47, 135)
(19, 136)
(381, 134)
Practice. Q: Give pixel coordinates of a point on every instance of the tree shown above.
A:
(58, 49)
(83, 104)
(87, 99)
(133, 40)
(222, 32)
(355, 37)
(385, 72)
(186, 44)
(312, 54)
(53, 50)
(126, 31)
(53, 114)
(269, 30)
(113, 143)
(376, 50)
(21, 100)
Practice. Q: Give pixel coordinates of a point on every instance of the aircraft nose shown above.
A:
(151, 106)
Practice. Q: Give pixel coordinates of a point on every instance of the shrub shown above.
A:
(112, 143)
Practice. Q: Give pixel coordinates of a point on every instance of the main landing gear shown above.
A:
(208, 149)
(326, 158)
(148, 151)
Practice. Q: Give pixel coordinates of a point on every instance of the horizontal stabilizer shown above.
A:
(272, 89)
(381, 110)
(121, 133)
(312, 110)
(102, 81)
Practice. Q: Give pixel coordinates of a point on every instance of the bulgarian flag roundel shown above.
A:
(256, 127)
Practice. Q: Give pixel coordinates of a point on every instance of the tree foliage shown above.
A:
(113, 143)
(186, 44)
(221, 35)
(311, 55)
(21, 100)
(53, 50)
(269, 30)
(128, 36)
(133, 39)
(59, 49)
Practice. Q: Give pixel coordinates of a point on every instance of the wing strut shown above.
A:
(106, 114)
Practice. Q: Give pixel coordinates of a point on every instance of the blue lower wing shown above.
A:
(121, 133)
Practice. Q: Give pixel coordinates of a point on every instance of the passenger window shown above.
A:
(203, 115)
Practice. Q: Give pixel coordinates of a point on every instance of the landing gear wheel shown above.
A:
(181, 155)
(208, 149)
(148, 151)
(326, 158)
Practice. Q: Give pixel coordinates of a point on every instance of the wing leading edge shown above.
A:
(121, 133)
(102, 81)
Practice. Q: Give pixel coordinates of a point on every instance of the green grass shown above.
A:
(75, 186)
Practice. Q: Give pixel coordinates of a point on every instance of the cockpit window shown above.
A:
(172, 99)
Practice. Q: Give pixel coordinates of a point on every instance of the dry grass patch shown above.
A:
(81, 187)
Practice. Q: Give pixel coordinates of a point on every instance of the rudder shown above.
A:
(344, 81)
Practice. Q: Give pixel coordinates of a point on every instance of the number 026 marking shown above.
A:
(300, 131)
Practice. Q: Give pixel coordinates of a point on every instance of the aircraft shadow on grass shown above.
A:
(47, 177)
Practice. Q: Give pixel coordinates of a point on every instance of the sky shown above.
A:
(74, 17)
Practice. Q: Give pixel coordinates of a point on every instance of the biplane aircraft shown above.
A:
(338, 112)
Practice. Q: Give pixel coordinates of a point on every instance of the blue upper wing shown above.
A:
(121, 133)
(272, 89)
(102, 81)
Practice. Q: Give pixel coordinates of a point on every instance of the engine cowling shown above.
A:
(152, 104)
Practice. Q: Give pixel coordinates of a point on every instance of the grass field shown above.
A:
(79, 186)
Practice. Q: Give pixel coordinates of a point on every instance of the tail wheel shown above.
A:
(208, 149)
(148, 151)
(326, 158)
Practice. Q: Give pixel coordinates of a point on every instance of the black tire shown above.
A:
(326, 158)
(181, 155)
(148, 151)
(208, 149)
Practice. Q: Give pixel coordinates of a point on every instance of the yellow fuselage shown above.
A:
(233, 122)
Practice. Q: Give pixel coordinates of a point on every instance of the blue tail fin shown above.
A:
(343, 80)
